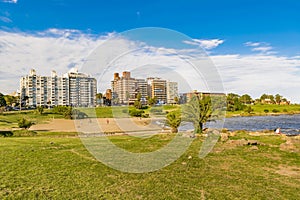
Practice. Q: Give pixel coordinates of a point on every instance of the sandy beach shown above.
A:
(107, 125)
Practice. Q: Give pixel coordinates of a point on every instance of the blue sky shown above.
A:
(234, 32)
(275, 22)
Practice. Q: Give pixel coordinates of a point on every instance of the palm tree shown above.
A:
(173, 120)
(198, 111)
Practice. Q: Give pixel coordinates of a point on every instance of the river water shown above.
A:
(289, 124)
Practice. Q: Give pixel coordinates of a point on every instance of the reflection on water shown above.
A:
(289, 124)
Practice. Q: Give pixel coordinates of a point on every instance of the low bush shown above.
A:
(248, 109)
(24, 123)
(266, 110)
(136, 112)
(6, 133)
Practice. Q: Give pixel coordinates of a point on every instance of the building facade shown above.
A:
(126, 89)
(158, 89)
(172, 92)
(75, 89)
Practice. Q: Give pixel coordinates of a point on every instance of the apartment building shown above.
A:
(158, 89)
(172, 92)
(126, 88)
(73, 88)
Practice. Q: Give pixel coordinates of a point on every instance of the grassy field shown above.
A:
(260, 109)
(57, 166)
(10, 120)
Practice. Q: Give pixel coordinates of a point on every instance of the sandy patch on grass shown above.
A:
(108, 125)
(291, 171)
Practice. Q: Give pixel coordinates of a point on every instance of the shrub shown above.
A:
(61, 109)
(144, 107)
(40, 110)
(248, 109)
(77, 114)
(145, 115)
(6, 133)
(24, 123)
(136, 113)
(266, 110)
(69, 113)
(285, 110)
(174, 120)
(275, 111)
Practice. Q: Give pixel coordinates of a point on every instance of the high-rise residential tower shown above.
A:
(172, 92)
(76, 89)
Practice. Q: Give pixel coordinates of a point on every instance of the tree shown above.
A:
(278, 98)
(137, 104)
(263, 97)
(176, 99)
(9, 99)
(173, 120)
(284, 100)
(139, 96)
(2, 100)
(99, 96)
(25, 100)
(152, 101)
(267, 96)
(234, 103)
(272, 98)
(246, 99)
(198, 111)
(40, 109)
(24, 123)
(68, 113)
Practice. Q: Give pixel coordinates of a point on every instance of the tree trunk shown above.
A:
(174, 130)
(198, 128)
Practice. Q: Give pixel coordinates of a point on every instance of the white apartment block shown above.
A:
(172, 92)
(76, 89)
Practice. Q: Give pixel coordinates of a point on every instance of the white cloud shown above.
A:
(261, 47)
(10, 1)
(252, 44)
(5, 19)
(61, 50)
(258, 74)
(19, 52)
(205, 44)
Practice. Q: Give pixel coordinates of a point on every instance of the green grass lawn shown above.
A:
(57, 166)
(265, 109)
(10, 119)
